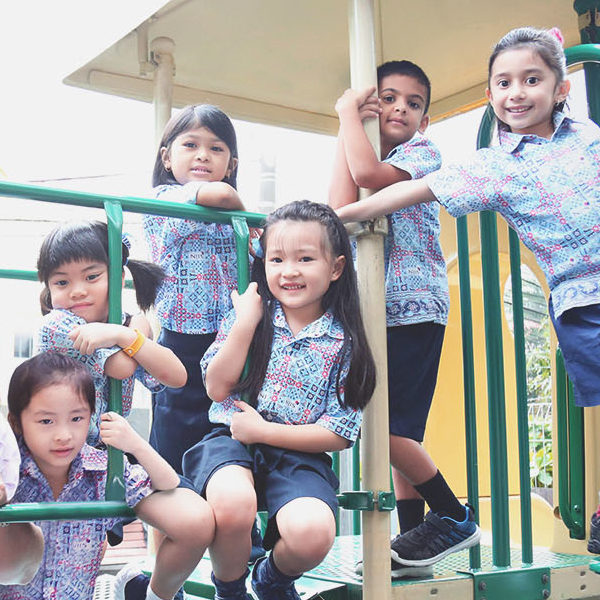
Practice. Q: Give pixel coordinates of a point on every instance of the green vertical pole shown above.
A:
(589, 30)
(115, 489)
(522, 416)
(356, 484)
(495, 373)
(242, 237)
(466, 315)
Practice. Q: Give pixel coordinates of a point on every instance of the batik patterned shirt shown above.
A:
(416, 284)
(199, 261)
(548, 190)
(54, 335)
(73, 549)
(300, 382)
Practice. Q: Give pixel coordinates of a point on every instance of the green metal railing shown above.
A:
(115, 505)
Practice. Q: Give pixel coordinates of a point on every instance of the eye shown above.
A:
(93, 276)
(59, 283)
(388, 98)
(532, 80)
(306, 259)
(414, 105)
(77, 419)
(189, 144)
(275, 259)
(502, 83)
(45, 421)
(217, 149)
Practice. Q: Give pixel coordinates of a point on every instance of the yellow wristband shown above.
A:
(133, 348)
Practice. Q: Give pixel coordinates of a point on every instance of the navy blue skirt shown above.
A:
(280, 475)
(578, 333)
(180, 415)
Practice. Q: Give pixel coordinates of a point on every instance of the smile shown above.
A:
(62, 451)
(291, 287)
(518, 110)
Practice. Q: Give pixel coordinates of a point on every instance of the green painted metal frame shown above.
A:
(532, 583)
(114, 504)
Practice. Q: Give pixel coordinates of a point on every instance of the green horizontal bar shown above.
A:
(130, 204)
(63, 511)
(583, 53)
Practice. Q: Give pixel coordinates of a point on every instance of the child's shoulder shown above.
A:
(417, 142)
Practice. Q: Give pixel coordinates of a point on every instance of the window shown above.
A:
(23, 345)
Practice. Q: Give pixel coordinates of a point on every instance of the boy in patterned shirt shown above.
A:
(417, 299)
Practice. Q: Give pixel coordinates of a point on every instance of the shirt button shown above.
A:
(269, 417)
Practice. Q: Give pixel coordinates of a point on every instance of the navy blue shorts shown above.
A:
(280, 475)
(578, 333)
(413, 359)
(180, 415)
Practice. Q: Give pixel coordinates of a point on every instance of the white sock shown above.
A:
(150, 595)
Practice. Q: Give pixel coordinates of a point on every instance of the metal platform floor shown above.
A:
(335, 579)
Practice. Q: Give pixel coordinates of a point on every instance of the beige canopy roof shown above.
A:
(284, 62)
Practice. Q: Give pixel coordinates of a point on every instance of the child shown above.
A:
(73, 265)
(21, 544)
(51, 399)
(196, 163)
(543, 179)
(417, 299)
(311, 371)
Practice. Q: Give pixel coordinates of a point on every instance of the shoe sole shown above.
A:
(472, 540)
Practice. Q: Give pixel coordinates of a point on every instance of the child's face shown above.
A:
(402, 100)
(299, 268)
(523, 91)
(55, 426)
(82, 288)
(198, 155)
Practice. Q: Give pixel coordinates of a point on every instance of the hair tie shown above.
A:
(557, 33)
(126, 241)
(258, 250)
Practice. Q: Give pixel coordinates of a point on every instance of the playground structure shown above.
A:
(538, 574)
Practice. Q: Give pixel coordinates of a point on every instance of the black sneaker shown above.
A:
(269, 591)
(593, 544)
(435, 538)
(401, 571)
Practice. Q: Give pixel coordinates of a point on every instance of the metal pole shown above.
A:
(589, 29)
(374, 444)
(162, 49)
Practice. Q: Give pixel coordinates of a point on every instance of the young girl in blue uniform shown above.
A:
(543, 177)
(310, 374)
(196, 163)
(73, 265)
(51, 399)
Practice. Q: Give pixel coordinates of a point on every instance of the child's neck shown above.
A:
(57, 479)
(298, 318)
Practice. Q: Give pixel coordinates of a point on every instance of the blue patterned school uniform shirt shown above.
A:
(200, 265)
(72, 549)
(300, 382)
(54, 335)
(416, 284)
(548, 190)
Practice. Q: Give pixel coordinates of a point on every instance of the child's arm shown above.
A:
(218, 194)
(159, 361)
(386, 201)
(225, 369)
(364, 165)
(249, 427)
(21, 549)
(115, 431)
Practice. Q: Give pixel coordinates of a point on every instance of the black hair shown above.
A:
(192, 117)
(88, 240)
(543, 42)
(341, 299)
(406, 67)
(43, 370)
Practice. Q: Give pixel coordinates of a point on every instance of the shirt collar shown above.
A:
(510, 141)
(327, 324)
(397, 148)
